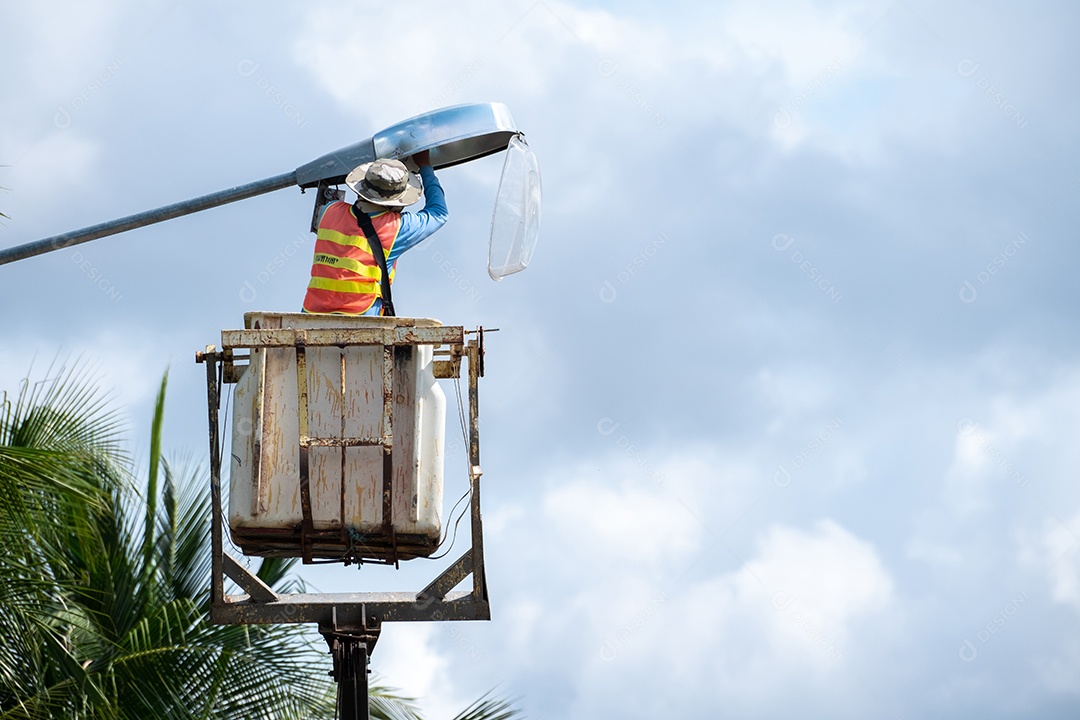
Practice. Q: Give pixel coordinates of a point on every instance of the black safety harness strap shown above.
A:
(380, 257)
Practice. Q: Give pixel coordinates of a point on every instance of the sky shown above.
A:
(781, 419)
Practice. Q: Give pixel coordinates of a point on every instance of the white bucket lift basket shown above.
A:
(338, 437)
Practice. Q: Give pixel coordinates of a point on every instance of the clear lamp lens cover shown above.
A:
(515, 223)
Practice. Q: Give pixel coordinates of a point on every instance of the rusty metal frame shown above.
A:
(307, 441)
(355, 613)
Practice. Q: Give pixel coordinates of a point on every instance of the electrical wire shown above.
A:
(446, 530)
(457, 522)
(468, 493)
(453, 539)
(461, 418)
(223, 429)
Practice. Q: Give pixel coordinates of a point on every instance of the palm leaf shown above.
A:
(490, 708)
(56, 438)
(58, 455)
(183, 528)
(152, 484)
(386, 703)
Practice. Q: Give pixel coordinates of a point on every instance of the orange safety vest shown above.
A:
(345, 277)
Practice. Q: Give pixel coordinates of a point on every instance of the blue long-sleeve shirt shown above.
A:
(416, 227)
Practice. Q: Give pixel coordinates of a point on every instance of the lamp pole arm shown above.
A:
(453, 135)
(59, 242)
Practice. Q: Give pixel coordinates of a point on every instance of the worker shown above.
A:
(345, 274)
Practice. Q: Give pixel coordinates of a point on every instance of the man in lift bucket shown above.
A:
(356, 244)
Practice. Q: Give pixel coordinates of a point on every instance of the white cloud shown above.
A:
(803, 36)
(643, 596)
(557, 54)
(1055, 549)
(829, 572)
(628, 523)
(385, 76)
(1016, 440)
(792, 619)
(803, 590)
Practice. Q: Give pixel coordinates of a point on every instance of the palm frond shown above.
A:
(490, 708)
(57, 442)
(152, 483)
(183, 555)
(387, 703)
(273, 570)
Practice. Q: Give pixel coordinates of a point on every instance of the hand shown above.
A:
(422, 158)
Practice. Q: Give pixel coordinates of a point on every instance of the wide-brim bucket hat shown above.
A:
(385, 182)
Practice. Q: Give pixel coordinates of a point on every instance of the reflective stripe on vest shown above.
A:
(345, 278)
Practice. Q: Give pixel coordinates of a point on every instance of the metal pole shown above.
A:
(353, 683)
(59, 242)
(476, 364)
(351, 648)
(213, 402)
